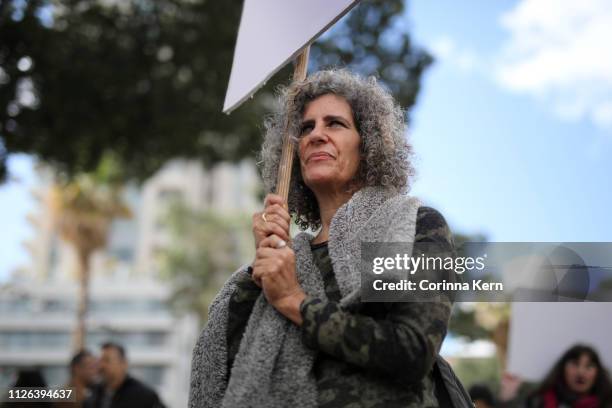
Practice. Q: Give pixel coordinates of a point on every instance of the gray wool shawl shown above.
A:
(272, 367)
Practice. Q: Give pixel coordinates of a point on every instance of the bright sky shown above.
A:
(513, 128)
(15, 203)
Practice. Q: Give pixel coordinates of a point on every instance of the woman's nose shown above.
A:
(582, 370)
(318, 135)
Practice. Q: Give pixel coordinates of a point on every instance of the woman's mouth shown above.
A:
(319, 156)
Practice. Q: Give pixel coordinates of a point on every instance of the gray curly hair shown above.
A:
(381, 125)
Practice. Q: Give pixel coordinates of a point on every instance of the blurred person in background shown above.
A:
(118, 389)
(28, 377)
(83, 376)
(577, 380)
(290, 329)
(482, 396)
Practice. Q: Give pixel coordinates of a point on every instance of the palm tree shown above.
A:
(204, 247)
(482, 320)
(83, 207)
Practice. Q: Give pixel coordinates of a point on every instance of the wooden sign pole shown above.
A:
(286, 163)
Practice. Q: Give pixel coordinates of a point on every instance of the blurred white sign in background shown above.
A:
(541, 332)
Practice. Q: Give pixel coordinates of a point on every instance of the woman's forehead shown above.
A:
(582, 357)
(327, 104)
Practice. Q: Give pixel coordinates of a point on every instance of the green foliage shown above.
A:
(463, 321)
(145, 79)
(99, 191)
(460, 239)
(373, 40)
(84, 206)
(204, 247)
(463, 324)
(484, 371)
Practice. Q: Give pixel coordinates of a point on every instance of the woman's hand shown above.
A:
(274, 219)
(274, 272)
(509, 387)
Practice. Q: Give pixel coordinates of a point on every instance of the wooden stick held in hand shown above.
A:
(286, 162)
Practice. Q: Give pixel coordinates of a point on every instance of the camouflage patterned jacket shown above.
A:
(391, 343)
(347, 353)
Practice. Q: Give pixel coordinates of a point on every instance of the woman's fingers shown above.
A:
(262, 264)
(509, 386)
(274, 199)
(273, 220)
(273, 241)
(257, 273)
(278, 211)
(274, 229)
(256, 278)
(274, 215)
(271, 259)
(265, 252)
(271, 225)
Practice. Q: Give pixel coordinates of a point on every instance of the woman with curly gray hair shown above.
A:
(290, 329)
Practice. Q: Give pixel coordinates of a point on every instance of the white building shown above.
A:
(128, 300)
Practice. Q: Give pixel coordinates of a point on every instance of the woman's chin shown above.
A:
(319, 171)
(580, 388)
(320, 179)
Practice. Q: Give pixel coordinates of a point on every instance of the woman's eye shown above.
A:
(305, 129)
(335, 123)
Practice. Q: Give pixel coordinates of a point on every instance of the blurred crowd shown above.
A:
(577, 380)
(97, 382)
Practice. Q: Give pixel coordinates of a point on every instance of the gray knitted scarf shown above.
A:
(273, 368)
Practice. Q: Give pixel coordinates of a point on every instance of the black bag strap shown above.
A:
(449, 390)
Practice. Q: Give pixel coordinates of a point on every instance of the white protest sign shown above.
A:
(272, 32)
(541, 332)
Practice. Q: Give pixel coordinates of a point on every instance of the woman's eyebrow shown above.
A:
(331, 118)
(307, 122)
(327, 119)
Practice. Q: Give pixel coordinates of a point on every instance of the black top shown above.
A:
(381, 342)
(130, 394)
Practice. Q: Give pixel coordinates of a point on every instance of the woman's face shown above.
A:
(580, 374)
(329, 144)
